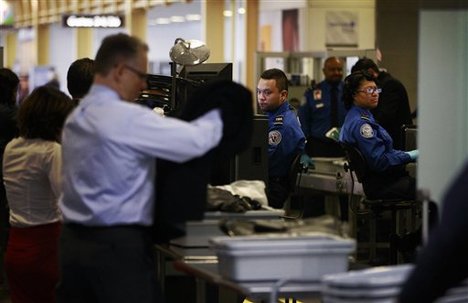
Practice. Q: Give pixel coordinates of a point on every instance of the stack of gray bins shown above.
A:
(377, 285)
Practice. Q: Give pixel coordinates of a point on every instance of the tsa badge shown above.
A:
(366, 131)
(317, 94)
(274, 137)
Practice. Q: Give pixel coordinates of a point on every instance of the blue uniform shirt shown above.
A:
(315, 113)
(376, 145)
(285, 140)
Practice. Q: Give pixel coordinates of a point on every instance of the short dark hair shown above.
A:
(278, 75)
(80, 76)
(364, 64)
(115, 49)
(42, 114)
(9, 82)
(351, 85)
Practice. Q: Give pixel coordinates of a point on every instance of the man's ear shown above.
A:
(284, 95)
(118, 71)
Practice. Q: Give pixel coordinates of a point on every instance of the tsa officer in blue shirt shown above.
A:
(285, 137)
(387, 165)
(323, 109)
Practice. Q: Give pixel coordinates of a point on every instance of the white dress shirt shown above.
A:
(109, 149)
(31, 174)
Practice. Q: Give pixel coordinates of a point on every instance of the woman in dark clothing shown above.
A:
(9, 83)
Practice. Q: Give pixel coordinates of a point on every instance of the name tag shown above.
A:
(319, 105)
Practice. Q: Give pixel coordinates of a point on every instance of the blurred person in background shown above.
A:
(80, 76)
(31, 173)
(323, 110)
(9, 85)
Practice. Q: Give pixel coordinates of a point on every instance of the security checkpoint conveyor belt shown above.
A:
(329, 176)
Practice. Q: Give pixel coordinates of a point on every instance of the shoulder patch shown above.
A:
(278, 120)
(274, 137)
(366, 131)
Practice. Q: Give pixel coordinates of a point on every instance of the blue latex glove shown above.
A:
(414, 154)
(306, 162)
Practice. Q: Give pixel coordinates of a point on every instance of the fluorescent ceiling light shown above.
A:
(193, 17)
(163, 21)
(177, 19)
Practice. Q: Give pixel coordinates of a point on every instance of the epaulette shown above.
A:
(365, 117)
(278, 120)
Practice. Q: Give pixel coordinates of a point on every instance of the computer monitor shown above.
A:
(251, 164)
(410, 135)
(207, 72)
(194, 76)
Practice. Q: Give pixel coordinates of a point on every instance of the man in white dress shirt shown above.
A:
(109, 150)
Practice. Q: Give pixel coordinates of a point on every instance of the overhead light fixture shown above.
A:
(241, 10)
(227, 13)
(177, 19)
(193, 17)
(162, 21)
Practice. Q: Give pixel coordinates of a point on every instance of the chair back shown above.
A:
(356, 161)
(294, 170)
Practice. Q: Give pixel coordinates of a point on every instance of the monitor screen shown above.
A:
(195, 76)
(250, 164)
(207, 72)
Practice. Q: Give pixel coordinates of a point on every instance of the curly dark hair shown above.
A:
(9, 82)
(352, 83)
(43, 113)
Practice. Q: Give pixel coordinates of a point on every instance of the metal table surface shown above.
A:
(201, 263)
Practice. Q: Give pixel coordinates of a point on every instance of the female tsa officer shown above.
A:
(388, 177)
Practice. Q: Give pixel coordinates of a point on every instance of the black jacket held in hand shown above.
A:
(181, 189)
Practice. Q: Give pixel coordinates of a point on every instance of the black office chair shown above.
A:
(294, 201)
(357, 166)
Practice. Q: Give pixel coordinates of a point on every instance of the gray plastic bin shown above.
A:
(281, 257)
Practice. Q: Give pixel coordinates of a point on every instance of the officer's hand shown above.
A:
(414, 154)
(306, 162)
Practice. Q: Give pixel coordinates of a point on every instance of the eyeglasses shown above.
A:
(141, 75)
(371, 90)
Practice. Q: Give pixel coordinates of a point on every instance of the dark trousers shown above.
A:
(107, 264)
(278, 191)
(403, 187)
(323, 147)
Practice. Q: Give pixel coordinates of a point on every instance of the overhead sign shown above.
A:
(101, 21)
(341, 29)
